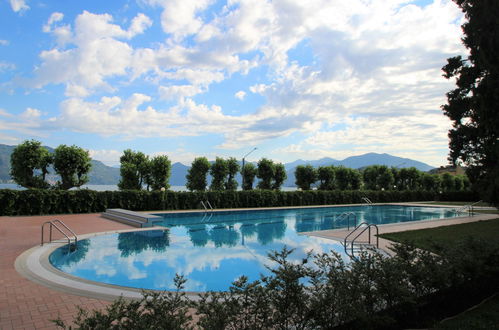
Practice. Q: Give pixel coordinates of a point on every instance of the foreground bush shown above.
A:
(40, 201)
(413, 289)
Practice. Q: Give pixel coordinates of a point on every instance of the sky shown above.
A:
(297, 79)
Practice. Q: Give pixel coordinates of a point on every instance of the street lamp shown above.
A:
(242, 170)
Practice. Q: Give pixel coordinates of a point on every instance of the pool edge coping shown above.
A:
(34, 265)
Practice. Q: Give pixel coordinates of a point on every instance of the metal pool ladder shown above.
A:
(206, 205)
(346, 215)
(69, 234)
(468, 207)
(367, 201)
(357, 247)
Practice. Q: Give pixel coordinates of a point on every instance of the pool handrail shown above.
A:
(352, 242)
(467, 206)
(205, 205)
(54, 223)
(347, 215)
(367, 200)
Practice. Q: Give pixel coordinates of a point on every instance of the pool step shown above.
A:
(131, 218)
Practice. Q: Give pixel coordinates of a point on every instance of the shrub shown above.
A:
(40, 201)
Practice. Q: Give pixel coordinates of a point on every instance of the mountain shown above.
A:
(178, 173)
(315, 163)
(102, 174)
(383, 159)
(356, 162)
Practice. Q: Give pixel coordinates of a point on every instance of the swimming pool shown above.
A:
(213, 249)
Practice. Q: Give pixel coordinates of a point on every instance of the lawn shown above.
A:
(448, 235)
(455, 203)
(484, 316)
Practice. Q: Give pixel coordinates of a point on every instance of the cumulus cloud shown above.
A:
(240, 95)
(373, 74)
(18, 5)
(7, 66)
(97, 53)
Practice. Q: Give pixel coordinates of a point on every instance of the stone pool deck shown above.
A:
(27, 305)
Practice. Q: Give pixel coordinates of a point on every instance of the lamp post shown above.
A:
(242, 169)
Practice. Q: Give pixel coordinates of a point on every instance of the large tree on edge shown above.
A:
(473, 106)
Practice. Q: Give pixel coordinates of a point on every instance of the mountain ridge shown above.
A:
(102, 174)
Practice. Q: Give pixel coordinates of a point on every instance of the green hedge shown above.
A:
(36, 202)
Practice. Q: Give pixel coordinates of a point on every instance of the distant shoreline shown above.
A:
(108, 187)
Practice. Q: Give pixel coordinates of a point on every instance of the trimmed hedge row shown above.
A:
(37, 202)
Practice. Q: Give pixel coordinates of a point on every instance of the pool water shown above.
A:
(213, 249)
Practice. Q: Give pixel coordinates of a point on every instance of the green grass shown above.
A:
(486, 315)
(448, 235)
(454, 203)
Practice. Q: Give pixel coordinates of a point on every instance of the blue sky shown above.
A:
(187, 78)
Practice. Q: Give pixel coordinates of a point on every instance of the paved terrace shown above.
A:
(23, 303)
(27, 305)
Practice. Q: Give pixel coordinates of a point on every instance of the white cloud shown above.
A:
(176, 91)
(240, 95)
(108, 157)
(179, 17)
(6, 66)
(55, 17)
(4, 42)
(18, 5)
(97, 56)
(31, 114)
(369, 62)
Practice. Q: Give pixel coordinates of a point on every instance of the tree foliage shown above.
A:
(219, 171)
(265, 172)
(196, 176)
(305, 175)
(326, 176)
(73, 164)
(29, 164)
(134, 170)
(232, 168)
(279, 176)
(160, 171)
(473, 105)
(248, 172)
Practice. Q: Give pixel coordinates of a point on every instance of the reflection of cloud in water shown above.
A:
(226, 252)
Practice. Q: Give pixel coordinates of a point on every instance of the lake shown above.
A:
(104, 187)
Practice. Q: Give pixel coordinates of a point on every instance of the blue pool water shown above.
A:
(214, 249)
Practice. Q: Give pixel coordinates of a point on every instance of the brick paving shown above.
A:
(23, 303)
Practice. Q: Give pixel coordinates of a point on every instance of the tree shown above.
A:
(196, 176)
(219, 171)
(73, 165)
(370, 176)
(29, 164)
(160, 170)
(134, 170)
(249, 173)
(279, 176)
(342, 177)
(472, 106)
(430, 182)
(265, 172)
(385, 178)
(326, 176)
(233, 168)
(354, 179)
(305, 176)
(448, 183)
